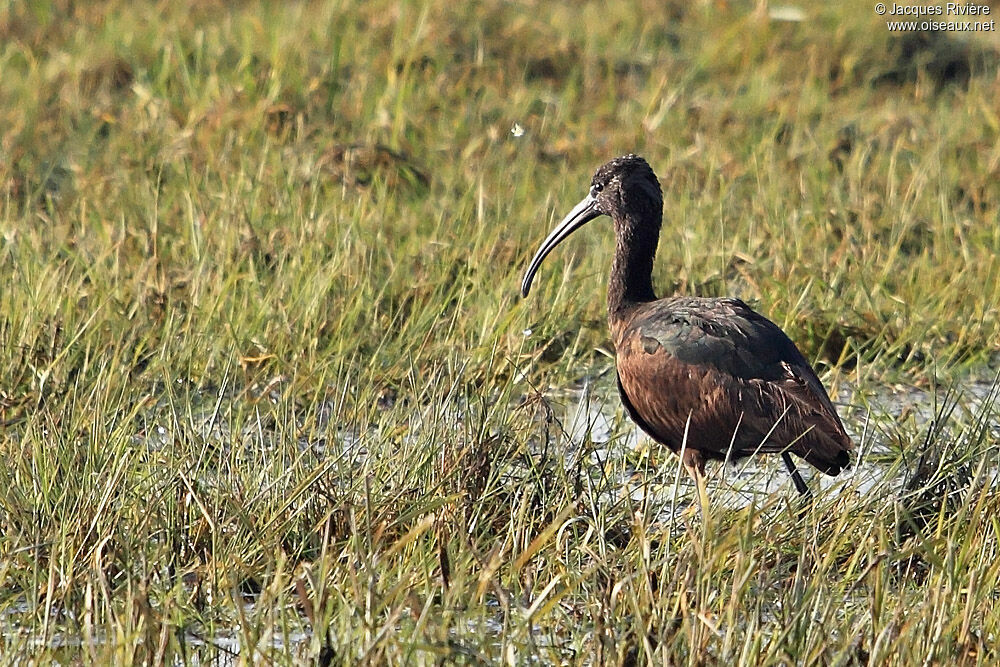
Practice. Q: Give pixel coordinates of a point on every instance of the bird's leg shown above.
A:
(800, 484)
(695, 465)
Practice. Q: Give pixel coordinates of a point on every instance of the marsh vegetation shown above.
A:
(268, 392)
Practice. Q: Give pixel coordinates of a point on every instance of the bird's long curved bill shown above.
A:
(581, 214)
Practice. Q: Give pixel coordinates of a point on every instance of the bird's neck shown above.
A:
(631, 280)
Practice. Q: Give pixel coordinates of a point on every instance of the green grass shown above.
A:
(260, 336)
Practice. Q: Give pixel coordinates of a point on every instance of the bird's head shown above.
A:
(626, 189)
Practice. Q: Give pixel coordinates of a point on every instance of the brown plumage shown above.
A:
(711, 376)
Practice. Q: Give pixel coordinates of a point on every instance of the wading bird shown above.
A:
(709, 378)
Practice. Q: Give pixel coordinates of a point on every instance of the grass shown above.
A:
(265, 383)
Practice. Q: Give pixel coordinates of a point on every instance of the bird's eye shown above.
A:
(596, 187)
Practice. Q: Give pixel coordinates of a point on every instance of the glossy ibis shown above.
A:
(709, 378)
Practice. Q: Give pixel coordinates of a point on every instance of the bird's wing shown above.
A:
(729, 378)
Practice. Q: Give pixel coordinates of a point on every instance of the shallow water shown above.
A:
(221, 648)
(589, 430)
(877, 420)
